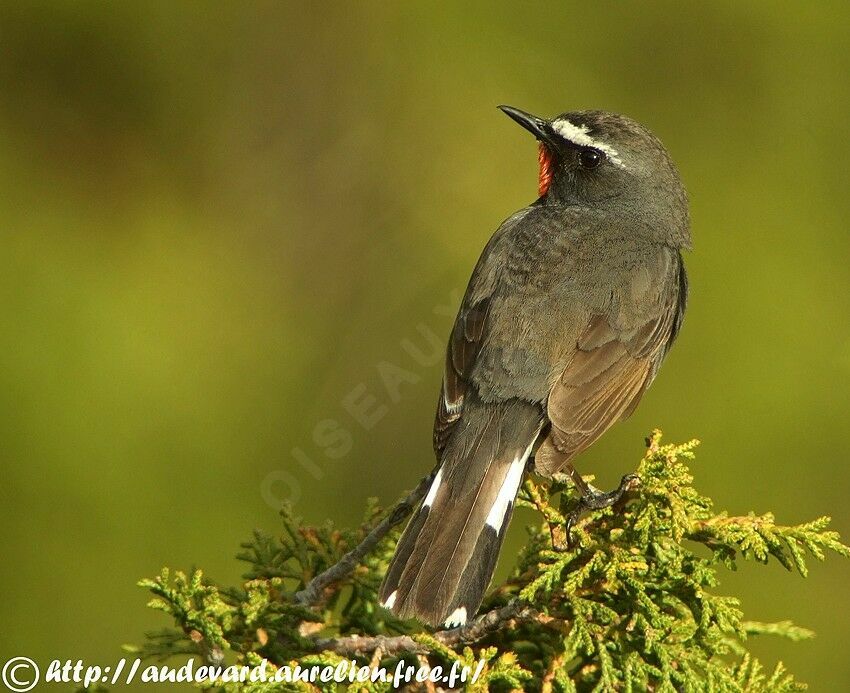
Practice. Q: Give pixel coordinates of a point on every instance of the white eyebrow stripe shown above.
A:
(578, 134)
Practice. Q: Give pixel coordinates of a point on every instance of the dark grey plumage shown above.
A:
(568, 315)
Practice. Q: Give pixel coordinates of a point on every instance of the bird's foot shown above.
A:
(594, 499)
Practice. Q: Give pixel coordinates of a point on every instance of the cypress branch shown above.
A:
(312, 592)
(631, 605)
(475, 630)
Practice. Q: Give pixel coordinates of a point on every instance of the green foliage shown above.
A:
(630, 606)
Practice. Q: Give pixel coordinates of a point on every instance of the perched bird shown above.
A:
(568, 315)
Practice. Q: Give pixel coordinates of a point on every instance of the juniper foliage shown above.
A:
(630, 606)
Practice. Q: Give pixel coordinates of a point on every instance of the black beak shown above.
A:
(538, 127)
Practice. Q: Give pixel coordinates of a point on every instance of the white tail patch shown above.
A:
(578, 134)
(508, 491)
(432, 492)
(456, 618)
(452, 407)
(390, 601)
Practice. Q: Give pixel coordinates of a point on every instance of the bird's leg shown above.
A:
(592, 498)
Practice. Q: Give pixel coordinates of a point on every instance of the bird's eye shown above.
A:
(590, 157)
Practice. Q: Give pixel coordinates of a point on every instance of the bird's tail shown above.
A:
(447, 554)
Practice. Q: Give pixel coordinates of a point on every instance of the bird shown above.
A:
(571, 308)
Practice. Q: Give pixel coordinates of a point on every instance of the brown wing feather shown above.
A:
(464, 345)
(605, 379)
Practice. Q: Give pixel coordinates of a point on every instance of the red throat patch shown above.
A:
(544, 178)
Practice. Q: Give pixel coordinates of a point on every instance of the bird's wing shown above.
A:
(609, 371)
(469, 332)
(464, 344)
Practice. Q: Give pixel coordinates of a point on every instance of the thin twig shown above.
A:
(312, 593)
(473, 631)
(555, 665)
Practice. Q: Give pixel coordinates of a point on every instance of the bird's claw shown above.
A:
(595, 499)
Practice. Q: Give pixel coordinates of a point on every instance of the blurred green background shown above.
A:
(221, 221)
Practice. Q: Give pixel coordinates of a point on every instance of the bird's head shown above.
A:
(610, 161)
